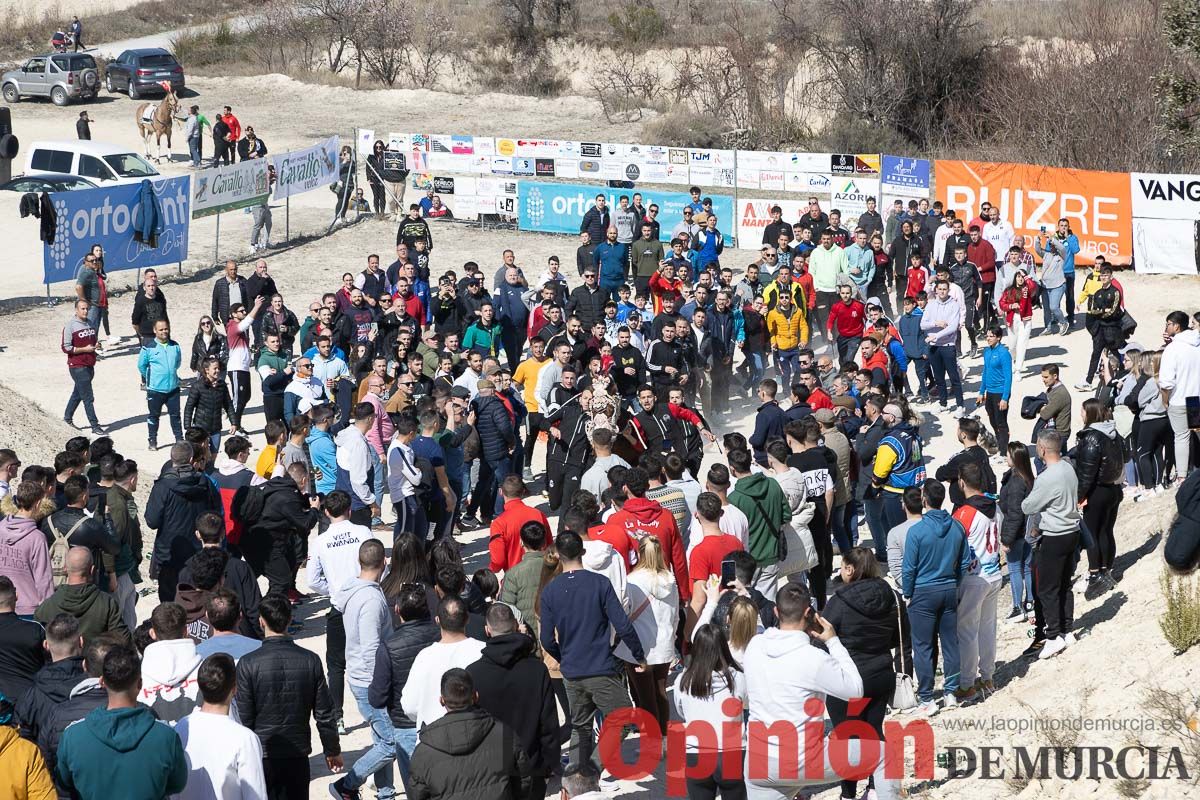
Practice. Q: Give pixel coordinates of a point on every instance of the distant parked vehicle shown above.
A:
(47, 182)
(143, 70)
(63, 77)
(99, 162)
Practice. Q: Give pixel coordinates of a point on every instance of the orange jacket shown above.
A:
(505, 546)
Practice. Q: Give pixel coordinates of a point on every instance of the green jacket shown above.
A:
(521, 588)
(96, 611)
(761, 499)
(124, 753)
(484, 340)
(123, 511)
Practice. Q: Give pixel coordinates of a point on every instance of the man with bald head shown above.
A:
(97, 611)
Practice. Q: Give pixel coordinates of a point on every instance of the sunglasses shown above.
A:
(205, 324)
(305, 365)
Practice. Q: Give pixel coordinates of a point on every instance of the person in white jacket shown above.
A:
(169, 666)
(713, 676)
(654, 600)
(1179, 379)
(403, 478)
(356, 462)
(784, 670)
(225, 759)
(600, 557)
(801, 549)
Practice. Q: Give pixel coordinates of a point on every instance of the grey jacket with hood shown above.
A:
(368, 622)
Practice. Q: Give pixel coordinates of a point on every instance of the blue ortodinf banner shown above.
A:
(559, 207)
(105, 216)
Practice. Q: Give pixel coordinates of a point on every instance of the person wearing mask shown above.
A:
(1100, 466)
(220, 752)
(280, 687)
(1179, 379)
(1014, 488)
(1055, 500)
(121, 749)
(936, 557)
(871, 623)
(980, 587)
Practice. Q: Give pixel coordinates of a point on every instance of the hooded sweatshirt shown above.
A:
(1055, 499)
(1179, 372)
(935, 553)
(603, 559)
(25, 560)
(368, 622)
(654, 612)
(977, 515)
(122, 753)
(96, 611)
(169, 684)
(323, 453)
(355, 467)
(761, 499)
(641, 517)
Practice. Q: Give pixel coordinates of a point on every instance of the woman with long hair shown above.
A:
(209, 343)
(1016, 303)
(713, 675)
(654, 612)
(1100, 467)
(1014, 488)
(207, 400)
(743, 623)
(1153, 437)
(870, 621)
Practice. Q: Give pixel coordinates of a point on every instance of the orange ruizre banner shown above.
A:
(1033, 198)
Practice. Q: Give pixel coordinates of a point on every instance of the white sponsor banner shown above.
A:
(1166, 246)
(762, 160)
(850, 195)
(231, 186)
(304, 170)
(399, 141)
(754, 215)
(366, 140)
(1165, 196)
(809, 182)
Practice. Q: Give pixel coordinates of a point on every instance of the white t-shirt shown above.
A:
(1000, 237)
(423, 689)
(333, 557)
(225, 760)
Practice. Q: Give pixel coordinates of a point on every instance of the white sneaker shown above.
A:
(962, 413)
(1068, 639)
(113, 340)
(926, 709)
(1083, 386)
(949, 700)
(1052, 648)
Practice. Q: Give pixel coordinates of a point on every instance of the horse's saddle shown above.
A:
(148, 113)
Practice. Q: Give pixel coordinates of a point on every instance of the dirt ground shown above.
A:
(1113, 663)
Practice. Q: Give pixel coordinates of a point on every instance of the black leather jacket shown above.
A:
(391, 673)
(1098, 458)
(279, 686)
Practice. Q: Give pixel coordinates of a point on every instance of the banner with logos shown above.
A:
(559, 207)
(754, 215)
(110, 216)
(1096, 204)
(850, 195)
(1166, 221)
(229, 187)
(301, 171)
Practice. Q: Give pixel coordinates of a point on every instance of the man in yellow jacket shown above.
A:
(787, 330)
(23, 774)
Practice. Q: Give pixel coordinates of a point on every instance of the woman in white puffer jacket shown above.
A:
(654, 612)
(801, 550)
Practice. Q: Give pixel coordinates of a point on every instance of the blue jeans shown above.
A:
(785, 362)
(1051, 306)
(380, 477)
(933, 611)
(840, 526)
(944, 360)
(194, 149)
(379, 758)
(1020, 572)
(214, 442)
(154, 406)
(82, 393)
(919, 366)
(757, 364)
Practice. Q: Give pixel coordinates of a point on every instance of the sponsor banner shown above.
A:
(810, 182)
(1165, 196)
(301, 171)
(443, 185)
(559, 207)
(903, 175)
(366, 140)
(850, 196)
(1166, 246)
(754, 215)
(1097, 204)
(108, 217)
(399, 141)
(231, 186)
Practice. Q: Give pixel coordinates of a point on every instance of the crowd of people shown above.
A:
(690, 570)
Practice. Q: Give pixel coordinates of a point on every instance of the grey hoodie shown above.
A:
(368, 622)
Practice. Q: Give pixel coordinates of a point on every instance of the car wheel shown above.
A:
(109, 85)
(11, 95)
(59, 96)
(134, 94)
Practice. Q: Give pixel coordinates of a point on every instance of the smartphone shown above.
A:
(727, 573)
(1042, 229)
(1193, 412)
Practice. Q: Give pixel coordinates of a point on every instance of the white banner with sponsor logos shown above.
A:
(230, 186)
(754, 215)
(1166, 222)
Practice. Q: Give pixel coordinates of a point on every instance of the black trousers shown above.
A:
(273, 407)
(562, 481)
(818, 576)
(721, 375)
(1054, 564)
(280, 566)
(239, 391)
(335, 659)
(286, 778)
(533, 425)
(998, 419)
(878, 688)
(1100, 516)
(361, 516)
(718, 784)
(378, 198)
(168, 580)
(513, 339)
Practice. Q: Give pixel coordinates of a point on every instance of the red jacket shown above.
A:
(917, 277)
(618, 540)
(819, 399)
(640, 518)
(848, 318)
(505, 545)
(983, 255)
(877, 361)
(660, 287)
(413, 306)
(805, 280)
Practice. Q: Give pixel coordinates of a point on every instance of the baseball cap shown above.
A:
(1132, 346)
(893, 410)
(461, 392)
(485, 383)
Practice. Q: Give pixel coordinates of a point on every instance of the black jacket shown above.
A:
(218, 348)
(47, 707)
(1183, 542)
(595, 224)
(572, 445)
(1099, 459)
(21, 653)
(285, 509)
(514, 687)
(623, 357)
(864, 613)
(240, 580)
(495, 427)
(220, 298)
(146, 312)
(205, 404)
(587, 304)
(467, 755)
(177, 499)
(393, 662)
(257, 286)
(279, 685)
(948, 472)
(287, 332)
(1013, 490)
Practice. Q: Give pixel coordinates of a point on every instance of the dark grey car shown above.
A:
(143, 71)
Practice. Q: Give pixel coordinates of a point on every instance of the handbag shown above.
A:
(1128, 324)
(905, 695)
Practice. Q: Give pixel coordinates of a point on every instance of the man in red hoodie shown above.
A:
(846, 317)
(640, 517)
(981, 253)
(505, 546)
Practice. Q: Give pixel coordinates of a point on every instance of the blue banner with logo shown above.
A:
(904, 173)
(559, 207)
(108, 217)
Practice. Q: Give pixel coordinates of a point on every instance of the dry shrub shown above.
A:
(1180, 622)
(684, 129)
(636, 25)
(206, 48)
(624, 88)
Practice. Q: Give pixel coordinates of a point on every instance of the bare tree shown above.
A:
(336, 22)
(382, 39)
(432, 38)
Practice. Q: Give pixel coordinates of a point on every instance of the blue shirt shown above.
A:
(158, 365)
(427, 448)
(233, 644)
(997, 371)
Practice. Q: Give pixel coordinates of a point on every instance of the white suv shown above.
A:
(101, 163)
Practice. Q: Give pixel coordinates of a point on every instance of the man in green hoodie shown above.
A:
(97, 611)
(761, 499)
(121, 750)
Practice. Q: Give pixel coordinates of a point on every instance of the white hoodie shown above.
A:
(1179, 372)
(169, 684)
(602, 559)
(655, 624)
(225, 760)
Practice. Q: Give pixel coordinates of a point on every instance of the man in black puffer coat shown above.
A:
(467, 754)
(177, 500)
(514, 686)
(288, 512)
(494, 424)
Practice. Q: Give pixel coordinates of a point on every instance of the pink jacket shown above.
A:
(25, 559)
(380, 434)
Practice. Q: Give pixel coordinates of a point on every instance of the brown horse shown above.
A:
(156, 120)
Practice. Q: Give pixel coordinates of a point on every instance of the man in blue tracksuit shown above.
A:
(996, 385)
(915, 346)
(513, 314)
(611, 259)
(936, 558)
(708, 244)
(158, 363)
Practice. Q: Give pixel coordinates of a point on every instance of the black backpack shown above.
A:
(247, 506)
